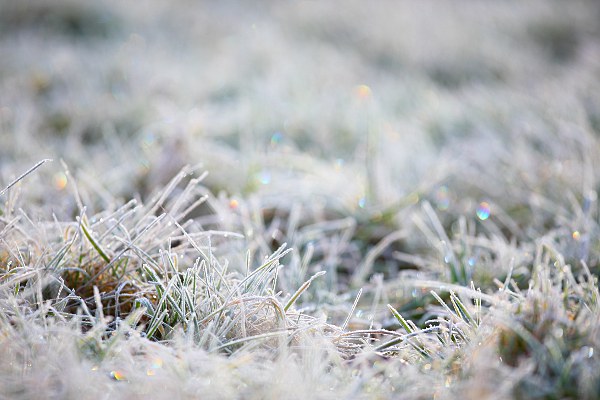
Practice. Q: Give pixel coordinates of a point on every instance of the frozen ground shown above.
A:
(438, 157)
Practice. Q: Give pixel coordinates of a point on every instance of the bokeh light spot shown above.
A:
(265, 177)
(363, 91)
(117, 375)
(149, 139)
(276, 138)
(483, 210)
(442, 198)
(157, 363)
(60, 181)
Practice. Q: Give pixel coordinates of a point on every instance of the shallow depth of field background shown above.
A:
(396, 140)
(301, 101)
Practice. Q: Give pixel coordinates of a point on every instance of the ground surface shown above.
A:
(400, 199)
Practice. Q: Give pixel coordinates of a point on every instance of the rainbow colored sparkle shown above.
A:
(442, 198)
(483, 210)
(60, 181)
(157, 363)
(117, 375)
(276, 138)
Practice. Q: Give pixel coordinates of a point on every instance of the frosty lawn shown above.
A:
(299, 200)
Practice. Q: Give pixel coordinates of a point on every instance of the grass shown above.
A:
(414, 215)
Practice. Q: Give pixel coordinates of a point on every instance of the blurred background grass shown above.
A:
(357, 104)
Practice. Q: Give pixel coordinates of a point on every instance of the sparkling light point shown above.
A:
(117, 375)
(483, 211)
(265, 177)
(149, 139)
(60, 181)
(157, 363)
(442, 198)
(276, 138)
(363, 91)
